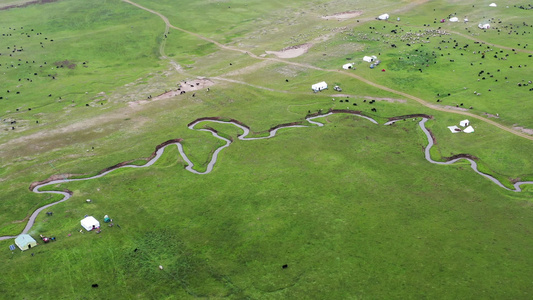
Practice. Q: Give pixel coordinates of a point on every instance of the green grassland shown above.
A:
(353, 208)
(434, 65)
(73, 55)
(356, 229)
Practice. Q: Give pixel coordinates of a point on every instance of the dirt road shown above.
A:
(419, 100)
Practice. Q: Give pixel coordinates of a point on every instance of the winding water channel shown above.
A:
(246, 132)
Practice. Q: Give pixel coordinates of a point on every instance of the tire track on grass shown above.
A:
(36, 186)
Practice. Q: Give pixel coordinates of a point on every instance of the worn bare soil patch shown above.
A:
(18, 4)
(455, 108)
(392, 100)
(292, 51)
(184, 87)
(65, 63)
(523, 129)
(344, 15)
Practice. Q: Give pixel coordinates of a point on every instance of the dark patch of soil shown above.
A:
(347, 111)
(65, 63)
(26, 4)
(410, 116)
(52, 178)
(218, 119)
(472, 157)
(284, 125)
(432, 136)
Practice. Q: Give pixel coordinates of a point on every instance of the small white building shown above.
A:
(347, 66)
(90, 223)
(25, 242)
(383, 17)
(493, 4)
(484, 26)
(317, 87)
(370, 58)
(464, 123)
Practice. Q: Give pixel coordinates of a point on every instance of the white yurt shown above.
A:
(383, 17)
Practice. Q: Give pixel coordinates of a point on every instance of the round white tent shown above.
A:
(347, 66)
(383, 17)
(454, 19)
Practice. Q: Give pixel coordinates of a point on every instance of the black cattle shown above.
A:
(374, 109)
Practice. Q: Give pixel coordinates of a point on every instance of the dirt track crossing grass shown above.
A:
(419, 100)
(349, 204)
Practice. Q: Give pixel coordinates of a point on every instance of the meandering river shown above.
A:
(214, 157)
